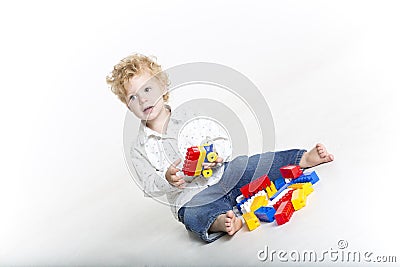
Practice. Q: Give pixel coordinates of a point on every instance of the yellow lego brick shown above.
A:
(296, 186)
(307, 187)
(200, 161)
(298, 199)
(259, 201)
(251, 220)
(271, 190)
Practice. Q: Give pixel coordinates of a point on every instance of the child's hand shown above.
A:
(172, 177)
(208, 165)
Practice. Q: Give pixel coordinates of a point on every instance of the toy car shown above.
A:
(195, 157)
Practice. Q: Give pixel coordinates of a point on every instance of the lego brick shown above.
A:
(245, 191)
(291, 171)
(201, 159)
(255, 186)
(194, 159)
(240, 198)
(245, 204)
(245, 207)
(283, 188)
(284, 212)
(208, 148)
(193, 153)
(285, 197)
(189, 167)
(301, 179)
(259, 184)
(265, 214)
(259, 201)
(307, 177)
(279, 183)
(271, 190)
(308, 189)
(298, 199)
(251, 220)
(313, 175)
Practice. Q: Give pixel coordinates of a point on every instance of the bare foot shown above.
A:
(315, 156)
(227, 222)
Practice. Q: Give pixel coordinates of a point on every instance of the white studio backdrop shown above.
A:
(328, 70)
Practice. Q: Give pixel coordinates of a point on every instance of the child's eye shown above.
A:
(132, 98)
(147, 89)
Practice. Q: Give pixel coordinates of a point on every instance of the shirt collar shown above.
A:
(145, 132)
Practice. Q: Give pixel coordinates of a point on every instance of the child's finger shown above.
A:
(176, 162)
(219, 160)
(176, 178)
(180, 183)
(209, 165)
(174, 170)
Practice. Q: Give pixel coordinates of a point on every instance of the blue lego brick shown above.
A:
(314, 177)
(280, 191)
(265, 214)
(279, 183)
(240, 203)
(208, 149)
(238, 207)
(306, 177)
(301, 179)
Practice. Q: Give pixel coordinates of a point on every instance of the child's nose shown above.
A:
(142, 100)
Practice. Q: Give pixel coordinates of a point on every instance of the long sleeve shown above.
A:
(152, 181)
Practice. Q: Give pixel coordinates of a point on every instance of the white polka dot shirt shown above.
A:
(154, 153)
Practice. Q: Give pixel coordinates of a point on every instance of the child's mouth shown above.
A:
(148, 110)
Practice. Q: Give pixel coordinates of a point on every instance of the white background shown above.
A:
(328, 69)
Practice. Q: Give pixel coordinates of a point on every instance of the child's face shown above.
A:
(144, 96)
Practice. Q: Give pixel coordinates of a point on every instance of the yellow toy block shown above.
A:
(307, 187)
(271, 190)
(251, 220)
(259, 201)
(200, 161)
(296, 186)
(298, 199)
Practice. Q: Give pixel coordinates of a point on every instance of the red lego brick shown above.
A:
(255, 186)
(245, 190)
(189, 167)
(285, 197)
(291, 171)
(284, 212)
(191, 159)
(192, 153)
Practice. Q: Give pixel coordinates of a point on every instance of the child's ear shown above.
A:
(165, 94)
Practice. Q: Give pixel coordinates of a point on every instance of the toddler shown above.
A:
(203, 205)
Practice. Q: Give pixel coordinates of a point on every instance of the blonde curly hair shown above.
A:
(131, 66)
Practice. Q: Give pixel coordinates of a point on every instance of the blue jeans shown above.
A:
(201, 211)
